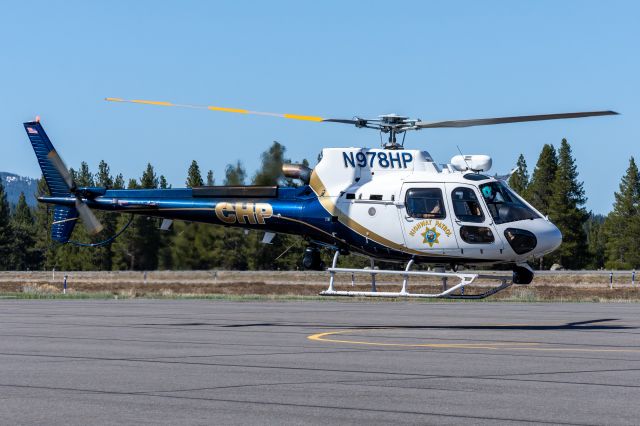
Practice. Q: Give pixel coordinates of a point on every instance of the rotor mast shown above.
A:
(395, 125)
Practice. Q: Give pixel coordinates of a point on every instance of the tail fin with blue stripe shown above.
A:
(42, 147)
(64, 217)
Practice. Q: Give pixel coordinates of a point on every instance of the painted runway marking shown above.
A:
(513, 346)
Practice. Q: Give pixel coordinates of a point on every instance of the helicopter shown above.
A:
(388, 204)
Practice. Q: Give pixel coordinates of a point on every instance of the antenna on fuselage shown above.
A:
(462, 155)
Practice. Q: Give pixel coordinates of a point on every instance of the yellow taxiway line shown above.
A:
(513, 346)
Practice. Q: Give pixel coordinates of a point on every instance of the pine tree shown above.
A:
(85, 257)
(194, 178)
(118, 182)
(165, 259)
(103, 256)
(271, 169)
(596, 241)
(24, 254)
(519, 180)
(540, 191)
(163, 183)
(68, 256)
(22, 213)
(622, 226)
(234, 245)
(43, 218)
(124, 253)
(210, 180)
(146, 235)
(84, 177)
(235, 174)
(149, 180)
(120, 247)
(266, 256)
(103, 178)
(567, 212)
(196, 245)
(6, 232)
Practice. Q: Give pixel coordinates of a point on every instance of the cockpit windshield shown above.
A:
(504, 205)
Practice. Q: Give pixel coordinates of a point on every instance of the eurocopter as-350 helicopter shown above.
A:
(388, 204)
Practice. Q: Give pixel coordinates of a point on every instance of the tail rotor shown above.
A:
(90, 221)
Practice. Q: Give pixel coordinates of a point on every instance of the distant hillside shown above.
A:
(15, 184)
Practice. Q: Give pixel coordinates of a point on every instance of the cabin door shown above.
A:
(427, 219)
(473, 225)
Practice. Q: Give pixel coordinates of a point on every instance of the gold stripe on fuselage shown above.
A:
(330, 206)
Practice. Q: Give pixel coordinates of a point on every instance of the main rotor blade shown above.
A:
(342, 121)
(217, 108)
(503, 120)
(59, 165)
(358, 122)
(90, 221)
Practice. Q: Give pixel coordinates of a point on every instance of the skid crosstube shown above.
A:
(448, 293)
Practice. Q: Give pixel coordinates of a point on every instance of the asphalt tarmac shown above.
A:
(81, 362)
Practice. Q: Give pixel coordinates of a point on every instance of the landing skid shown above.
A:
(446, 293)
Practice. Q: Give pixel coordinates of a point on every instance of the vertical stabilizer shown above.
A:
(64, 217)
(43, 147)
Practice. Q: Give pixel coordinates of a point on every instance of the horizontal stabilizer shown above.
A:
(268, 237)
(166, 224)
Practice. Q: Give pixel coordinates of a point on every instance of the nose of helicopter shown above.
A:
(549, 237)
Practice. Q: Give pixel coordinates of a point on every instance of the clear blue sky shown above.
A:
(431, 60)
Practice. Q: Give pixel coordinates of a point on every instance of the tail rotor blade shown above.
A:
(90, 221)
(59, 165)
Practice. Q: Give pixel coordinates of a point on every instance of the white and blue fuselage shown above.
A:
(392, 205)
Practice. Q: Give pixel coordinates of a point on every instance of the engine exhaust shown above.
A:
(297, 171)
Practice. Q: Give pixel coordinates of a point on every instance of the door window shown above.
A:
(476, 234)
(466, 206)
(425, 203)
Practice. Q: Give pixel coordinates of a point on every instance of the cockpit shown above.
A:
(504, 205)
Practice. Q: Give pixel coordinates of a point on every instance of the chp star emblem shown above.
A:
(430, 236)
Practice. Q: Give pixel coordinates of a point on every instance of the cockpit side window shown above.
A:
(425, 203)
(466, 206)
(504, 205)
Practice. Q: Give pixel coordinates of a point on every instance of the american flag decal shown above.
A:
(32, 131)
